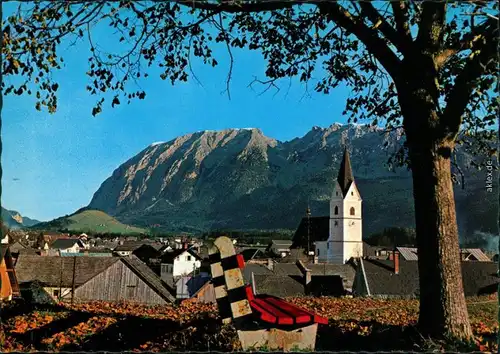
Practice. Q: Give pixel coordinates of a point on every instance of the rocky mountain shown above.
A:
(13, 219)
(241, 179)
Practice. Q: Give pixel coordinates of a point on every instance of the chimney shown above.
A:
(306, 273)
(185, 245)
(396, 261)
(270, 264)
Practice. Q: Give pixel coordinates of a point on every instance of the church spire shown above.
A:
(345, 177)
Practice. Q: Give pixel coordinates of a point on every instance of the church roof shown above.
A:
(345, 177)
(319, 229)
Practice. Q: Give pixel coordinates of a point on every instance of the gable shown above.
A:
(337, 191)
(127, 279)
(353, 192)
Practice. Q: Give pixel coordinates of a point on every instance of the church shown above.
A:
(336, 238)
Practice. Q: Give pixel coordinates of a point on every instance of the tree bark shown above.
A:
(443, 310)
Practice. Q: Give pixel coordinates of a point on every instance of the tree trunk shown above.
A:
(443, 310)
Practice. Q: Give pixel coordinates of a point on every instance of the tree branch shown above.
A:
(477, 64)
(400, 10)
(468, 42)
(231, 7)
(430, 29)
(379, 22)
(368, 36)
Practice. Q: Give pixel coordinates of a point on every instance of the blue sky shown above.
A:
(53, 164)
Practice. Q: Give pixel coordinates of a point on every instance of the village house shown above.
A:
(8, 279)
(342, 263)
(253, 254)
(93, 278)
(189, 285)
(398, 278)
(280, 248)
(125, 249)
(466, 254)
(178, 263)
(67, 245)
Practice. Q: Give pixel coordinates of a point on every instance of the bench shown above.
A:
(260, 320)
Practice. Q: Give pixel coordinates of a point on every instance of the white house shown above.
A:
(280, 247)
(178, 263)
(67, 245)
(345, 226)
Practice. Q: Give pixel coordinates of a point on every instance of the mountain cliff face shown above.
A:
(13, 220)
(241, 179)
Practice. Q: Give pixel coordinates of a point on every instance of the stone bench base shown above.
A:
(303, 338)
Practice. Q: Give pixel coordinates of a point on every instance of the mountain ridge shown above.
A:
(14, 220)
(242, 179)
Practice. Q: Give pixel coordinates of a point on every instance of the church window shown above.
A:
(318, 251)
(336, 223)
(337, 194)
(328, 245)
(336, 210)
(352, 193)
(352, 211)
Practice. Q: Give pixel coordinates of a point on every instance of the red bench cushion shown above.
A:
(276, 311)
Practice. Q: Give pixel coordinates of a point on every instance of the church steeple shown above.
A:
(345, 177)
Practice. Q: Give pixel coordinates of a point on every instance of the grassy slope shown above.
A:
(94, 221)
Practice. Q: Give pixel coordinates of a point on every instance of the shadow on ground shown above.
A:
(206, 334)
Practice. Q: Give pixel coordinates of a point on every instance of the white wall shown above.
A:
(64, 292)
(73, 249)
(184, 264)
(124, 253)
(345, 239)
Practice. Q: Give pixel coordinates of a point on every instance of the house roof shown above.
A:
(149, 277)
(345, 176)
(129, 246)
(5, 253)
(296, 254)
(477, 254)
(278, 285)
(58, 271)
(168, 257)
(286, 269)
(318, 228)
(478, 277)
(285, 243)
(411, 254)
(256, 269)
(17, 245)
(64, 243)
(252, 253)
(346, 271)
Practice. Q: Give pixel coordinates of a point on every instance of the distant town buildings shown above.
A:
(326, 257)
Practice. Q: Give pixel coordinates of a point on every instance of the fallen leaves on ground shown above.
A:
(359, 323)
